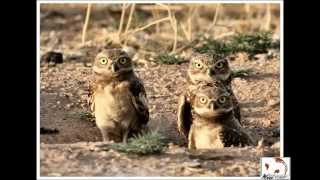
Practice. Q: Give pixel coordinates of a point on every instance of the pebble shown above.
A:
(273, 102)
(69, 105)
(194, 164)
(54, 174)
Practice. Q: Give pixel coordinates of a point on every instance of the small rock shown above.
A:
(68, 106)
(54, 174)
(58, 102)
(276, 132)
(276, 145)
(194, 164)
(44, 130)
(273, 102)
(261, 57)
(52, 57)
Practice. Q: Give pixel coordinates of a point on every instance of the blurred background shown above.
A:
(151, 27)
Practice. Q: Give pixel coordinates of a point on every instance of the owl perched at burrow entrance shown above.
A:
(205, 68)
(117, 97)
(208, 121)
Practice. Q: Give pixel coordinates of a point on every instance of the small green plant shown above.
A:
(86, 116)
(251, 43)
(166, 58)
(241, 73)
(149, 143)
(214, 47)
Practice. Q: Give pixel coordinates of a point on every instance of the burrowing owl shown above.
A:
(118, 98)
(207, 119)
(205, 67)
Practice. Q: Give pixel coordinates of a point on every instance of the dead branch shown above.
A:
(85, 26)
(215, 18)
(128, 23)
(148, 25)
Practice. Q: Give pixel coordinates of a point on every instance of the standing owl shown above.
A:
(205, 68)
(208, 121)
(118, 98)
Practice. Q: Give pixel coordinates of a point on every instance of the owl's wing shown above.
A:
(139, 99)
(235, 137)
(236, 105)
(184, 120)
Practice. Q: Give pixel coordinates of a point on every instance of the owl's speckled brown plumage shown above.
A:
(118, 98)
(207, 119)
(207, 68)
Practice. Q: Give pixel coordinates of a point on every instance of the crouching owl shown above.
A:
(208, 121)
(117, 97)
(205, 68)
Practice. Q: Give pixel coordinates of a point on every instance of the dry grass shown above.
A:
(186, 26)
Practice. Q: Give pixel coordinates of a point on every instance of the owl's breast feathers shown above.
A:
(137, 94)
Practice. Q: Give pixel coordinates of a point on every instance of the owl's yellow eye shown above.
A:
(219, 65)
(222, 100)
(103, 60)
(123, 60)
(203, 100)
(198, 65)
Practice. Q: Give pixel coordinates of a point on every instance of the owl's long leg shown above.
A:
(125, 137)
(105, 135)
(191, 143)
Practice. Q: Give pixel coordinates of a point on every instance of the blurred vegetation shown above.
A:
(149, 143)
(251, 43)
(241, 73)
(166, 58)
(86, 116)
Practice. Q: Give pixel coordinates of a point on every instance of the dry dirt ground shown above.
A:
(74, 152)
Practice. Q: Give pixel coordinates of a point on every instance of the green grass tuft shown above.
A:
(241, 73)
(166, 58)
(251, 43)
(149, 143)
(86, 116)
(214, 47)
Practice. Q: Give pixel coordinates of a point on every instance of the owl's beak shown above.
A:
(114, 68)
(213, 106)
(211, 72)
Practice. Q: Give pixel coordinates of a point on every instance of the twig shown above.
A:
(268, 18)
(155, 13)
(192, 11)
(128, 23)
(84, 29)
(148, 25)
(224, 35)
(173, 22)
(248, 10)
(121, 20)
(159, 8)
(184, 31)
(215, 18)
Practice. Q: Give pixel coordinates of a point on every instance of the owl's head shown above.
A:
(204, 67)
(212, 101)
(112, 63)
